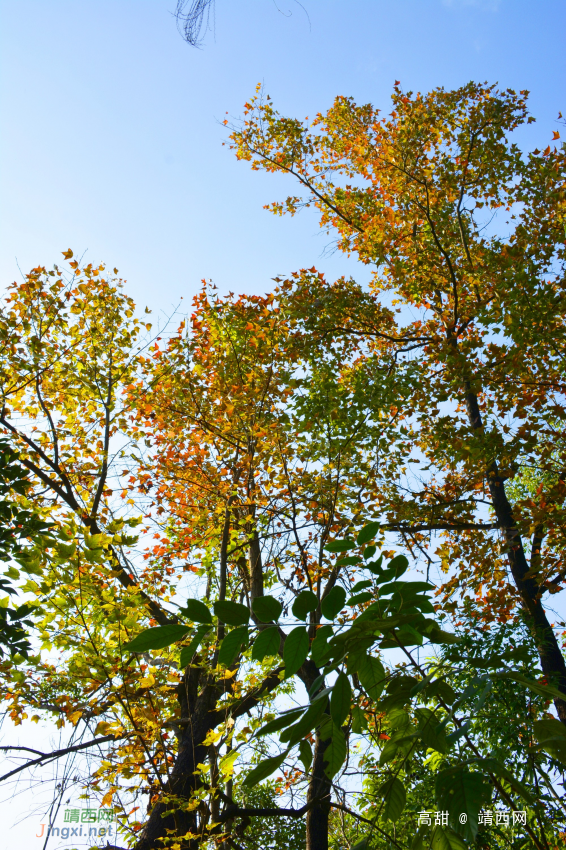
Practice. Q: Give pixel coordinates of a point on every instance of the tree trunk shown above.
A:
(320, 786)
(551, 658)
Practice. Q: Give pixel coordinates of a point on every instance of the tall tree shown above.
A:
(478, 346)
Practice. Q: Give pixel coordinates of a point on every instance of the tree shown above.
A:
(256, 443)
(478, 344)
(266, 444)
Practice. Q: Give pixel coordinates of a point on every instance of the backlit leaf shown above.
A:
(157, 638)
(296, 650)
(232, 613)
(267, 608)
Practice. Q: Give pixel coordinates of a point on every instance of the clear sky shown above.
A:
(111, 138)
(112, 143)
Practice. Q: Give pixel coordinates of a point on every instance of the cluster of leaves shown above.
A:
(467, 774)
(19, 523)
(257, 632)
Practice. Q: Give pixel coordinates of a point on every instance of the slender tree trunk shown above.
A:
(551, 658)
(319, 786)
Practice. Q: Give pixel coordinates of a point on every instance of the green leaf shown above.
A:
(232, 613)
(335, 753)
(428, 723)
(418, 842)
(340, 545)
(363, 844)
(444, 838)
(454, 840)
(440, 839)
(367, 533)
(334, 602)
(197, 611)
(187, 652)
(359, 598)
(398, 565)
(307, 722)
(359, 720)
(494, 766)
(372, 676)
(459, 791)
(340, 699)
(267, 608)
(319, 648)
(296, 650)
(361, 585)
(348, 561)
(266, 643)
(395, 797)
(305, 754)
(442, 689)
(547, 691)
(231, 645)
(264, 769)
(157, 638)
(305, 602)
(551, 735)
(280, 722)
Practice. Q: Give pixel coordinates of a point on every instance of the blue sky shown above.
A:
(111, 138)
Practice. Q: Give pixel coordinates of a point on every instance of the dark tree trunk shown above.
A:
(551, 658)
(183, 782)
(319, 787)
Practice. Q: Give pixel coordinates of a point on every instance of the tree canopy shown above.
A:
(301, 544)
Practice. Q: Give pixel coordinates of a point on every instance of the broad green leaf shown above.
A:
(305, 754)
(157, 638)
(444, 838)
(459, 791)
(551, 735)
(319, 648)
(372, 676)
(187, 652)
(280, 722)
(266, 643)
(399, 565)
(232, 613)
(367, 533)
(340, 545)
(494, 766)
(359, 599)
(547, 691)
(440, 839)
(334, 602)
(310, 720)
(348, 561)
(232, 644)
(197, 611)
(267, 608)
(395, 797)
(335, 752)
(340, 699)
(264, 769)
(361, 585)
(406, 588)
(418, 842)
(428, 723)
(359, 721)
(363, 844)
(442, 689)
(454, 840)
(305, 602)
(295, 650)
